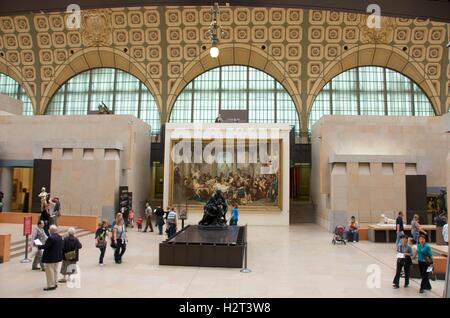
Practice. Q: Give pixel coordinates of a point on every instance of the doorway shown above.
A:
(22, 189)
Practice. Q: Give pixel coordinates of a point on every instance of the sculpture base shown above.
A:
(196, 246)
(212, 227)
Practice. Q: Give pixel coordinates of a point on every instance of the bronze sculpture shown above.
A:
(214, 211)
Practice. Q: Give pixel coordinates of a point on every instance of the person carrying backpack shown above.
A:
(101, 236)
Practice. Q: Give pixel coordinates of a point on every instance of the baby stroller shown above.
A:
(338, 235)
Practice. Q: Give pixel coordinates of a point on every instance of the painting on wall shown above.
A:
(254, 181)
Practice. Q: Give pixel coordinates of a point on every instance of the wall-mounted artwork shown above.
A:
(247, 174)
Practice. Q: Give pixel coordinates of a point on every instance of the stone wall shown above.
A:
(91, 156)
(360, 163)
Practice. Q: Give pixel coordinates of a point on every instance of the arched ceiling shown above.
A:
(429, 9)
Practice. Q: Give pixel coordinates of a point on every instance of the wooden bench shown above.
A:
(5, 246)
(363, 234)
(439, 264)
(387, 233)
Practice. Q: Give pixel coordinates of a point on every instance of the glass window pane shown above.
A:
(370, 90)
(235, 88)
(10, 87)
(121, 92)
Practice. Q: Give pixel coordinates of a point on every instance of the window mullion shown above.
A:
(331, 97)
(385, 93)
(139, 100)
(192, 101)
(358, 93)
(275, 100)
(114, 92)
(89, 92)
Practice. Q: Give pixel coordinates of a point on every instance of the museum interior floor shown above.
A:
(294, 261)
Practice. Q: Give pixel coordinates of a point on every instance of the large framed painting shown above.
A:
(248, 173)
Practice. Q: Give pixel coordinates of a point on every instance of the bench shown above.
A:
(439, 264)
(387, 233)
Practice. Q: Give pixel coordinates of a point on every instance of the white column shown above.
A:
(6, 186)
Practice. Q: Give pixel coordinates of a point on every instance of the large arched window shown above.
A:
(121, 92)
(235, 88)
(370, 90)
(10, 87)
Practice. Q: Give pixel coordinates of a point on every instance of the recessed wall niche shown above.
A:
(339, 168)
(47, 153)
(67, 154)
(387, 168)
(112, 154)
(410, 169)
(88, 154)
(364, 168)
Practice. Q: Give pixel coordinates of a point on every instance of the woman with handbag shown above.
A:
(101, 239)
(425, 256)
(70, 248)
(120, 238)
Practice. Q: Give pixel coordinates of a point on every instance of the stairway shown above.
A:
(18, 248)
(301, 212)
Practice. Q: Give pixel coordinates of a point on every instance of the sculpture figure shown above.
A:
(43, 196)
(385, 220)
(214, 211)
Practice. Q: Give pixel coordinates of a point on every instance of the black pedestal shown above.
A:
(194, 246)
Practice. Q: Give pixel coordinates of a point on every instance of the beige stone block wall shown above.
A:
(85, 186)
(10, 106)
(92, 156)
(393, 147)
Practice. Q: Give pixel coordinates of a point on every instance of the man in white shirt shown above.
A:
(172, 222)
(445, 232)
(148, 217)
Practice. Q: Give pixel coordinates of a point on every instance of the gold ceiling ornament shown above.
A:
(383, 34)
(96, 27)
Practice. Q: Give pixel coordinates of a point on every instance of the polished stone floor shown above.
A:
(294, 261)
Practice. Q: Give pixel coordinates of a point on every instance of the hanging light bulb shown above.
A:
(214, 50)
(214, 31)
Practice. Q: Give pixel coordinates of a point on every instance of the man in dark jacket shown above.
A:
(52, 256)
(159, 212)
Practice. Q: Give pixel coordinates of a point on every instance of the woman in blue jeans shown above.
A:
(352, 234)
(120, 238)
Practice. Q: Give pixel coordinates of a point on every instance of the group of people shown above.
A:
(50, 210)
(117, 235)
(52, 250)
(410, 248)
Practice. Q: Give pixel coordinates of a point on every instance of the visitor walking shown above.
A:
(52, 256)
(101, 242)
(25, 200)
(1, 201)
(425, 262)
(416, 229)
(56, 209)
(45, 217)
(171, 223)
(399, 229)
(404, 253)
(131, 218)
(234, 215)
(38, 234)
(445, 233)
(71, 255)
(159, 213)
(120, 238)
(148, 217)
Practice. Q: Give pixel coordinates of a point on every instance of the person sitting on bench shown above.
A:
(352, 233)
